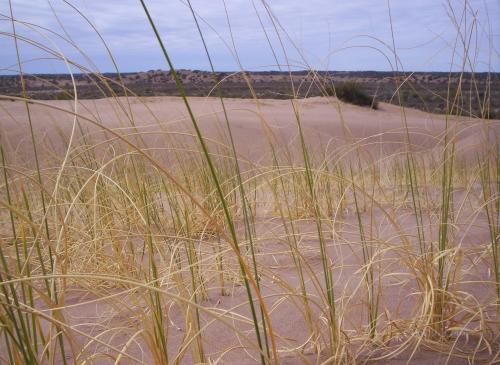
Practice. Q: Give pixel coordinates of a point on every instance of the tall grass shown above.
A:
(134, 238)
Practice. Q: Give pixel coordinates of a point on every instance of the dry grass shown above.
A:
(125, 241)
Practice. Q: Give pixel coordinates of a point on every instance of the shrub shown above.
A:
(63, 95)
(353, 93)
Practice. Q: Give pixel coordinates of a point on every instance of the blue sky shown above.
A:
(320, 34)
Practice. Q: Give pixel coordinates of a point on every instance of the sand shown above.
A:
(321, 118)
(331, 129)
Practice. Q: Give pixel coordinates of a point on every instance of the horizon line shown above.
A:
(13, 73)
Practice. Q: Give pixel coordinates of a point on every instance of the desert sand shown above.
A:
(105, 315)
(325, 121)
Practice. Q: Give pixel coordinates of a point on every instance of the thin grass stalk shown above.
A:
(159, 329)
(218, 187)
(332, 321)
(246, 212)
(372, 297)
(196, 283)
(490, 204)
(294, 249)
(14, 325)
(53, 294)
(26, 291)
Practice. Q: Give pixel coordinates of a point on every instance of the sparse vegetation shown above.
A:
(424, 91)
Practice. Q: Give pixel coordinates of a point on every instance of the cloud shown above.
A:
(328, 34)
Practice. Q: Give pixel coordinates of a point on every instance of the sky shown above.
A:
(304, 34)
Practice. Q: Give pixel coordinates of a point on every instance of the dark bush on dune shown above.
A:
(63, 95)
(353, 93)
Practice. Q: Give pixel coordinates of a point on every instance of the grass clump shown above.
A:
(353, 93)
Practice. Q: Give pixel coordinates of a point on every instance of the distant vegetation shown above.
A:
(426, 91)
(353, 93)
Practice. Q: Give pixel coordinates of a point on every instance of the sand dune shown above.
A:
(325, 122)
(333, 131)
